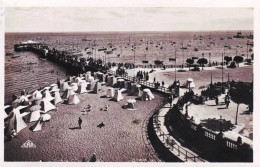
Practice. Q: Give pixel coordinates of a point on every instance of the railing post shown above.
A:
(178, 150)
(172, 145)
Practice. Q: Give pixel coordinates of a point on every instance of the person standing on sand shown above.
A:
(227, 101)
(93, 158)
(80, 122)
(154, 79)
(216, 100)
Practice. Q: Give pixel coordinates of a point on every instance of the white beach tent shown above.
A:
(92, 84)
(73, 99)
(190, 83)
(57, 97)
(64, 86)
(74, 87)
(23, 98)
(87, 75)
(72, 79)
(47, 95)
(37, 95)
(111, 80)
(67, 93)
(46, 105)
(82, 88)
(118, 96)
(136, 90)
(38, 125)
(79, 79)
(54, 86)
(131, 104)
(61, 82)
(110, 92)
(147, 95)
(5, 107)
(35, 115)
(16, 121)
(97, 88)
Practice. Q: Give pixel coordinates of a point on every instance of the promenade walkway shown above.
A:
(181, 152)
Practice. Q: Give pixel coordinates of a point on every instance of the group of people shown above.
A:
(227, 100)
(142, 75)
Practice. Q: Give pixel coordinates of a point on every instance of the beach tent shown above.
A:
(35, 115)
(97, 87)
(64, 86)
(39, 124)
(57, 97)
(131, 104)
(136, 90)
(147, 95)
(79, 79)
(67, 93)
(87, 75)
(90, 79)
(54, 86)
(92, 85)
(23, 98)
(110, 92)
(46, 105)
(111, 80)
(5, 114)
(35, 112)
(47, 95)
(127, 85)
(16, 121)
(95, 75)
(74, 87)
(61, 82)
(118, 96)
(82, 88)
(73, 99)
(190, 83)
(120, 83)
(37, 95)
(72, 79)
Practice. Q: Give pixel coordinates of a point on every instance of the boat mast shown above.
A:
(175, 65)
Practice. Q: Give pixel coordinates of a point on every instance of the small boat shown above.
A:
(239, 35)
(158, 62)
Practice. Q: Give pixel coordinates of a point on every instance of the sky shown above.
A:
(89, 19)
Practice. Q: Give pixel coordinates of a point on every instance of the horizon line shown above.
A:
(121, 31)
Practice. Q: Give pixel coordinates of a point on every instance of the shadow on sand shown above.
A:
(73, 128)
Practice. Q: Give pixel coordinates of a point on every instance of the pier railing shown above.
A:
(143, 82)
(172, 146)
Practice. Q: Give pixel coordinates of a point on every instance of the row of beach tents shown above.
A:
(34, 107)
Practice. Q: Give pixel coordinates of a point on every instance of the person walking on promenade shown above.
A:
(216, 100)
(80, 122)
(227, 101)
